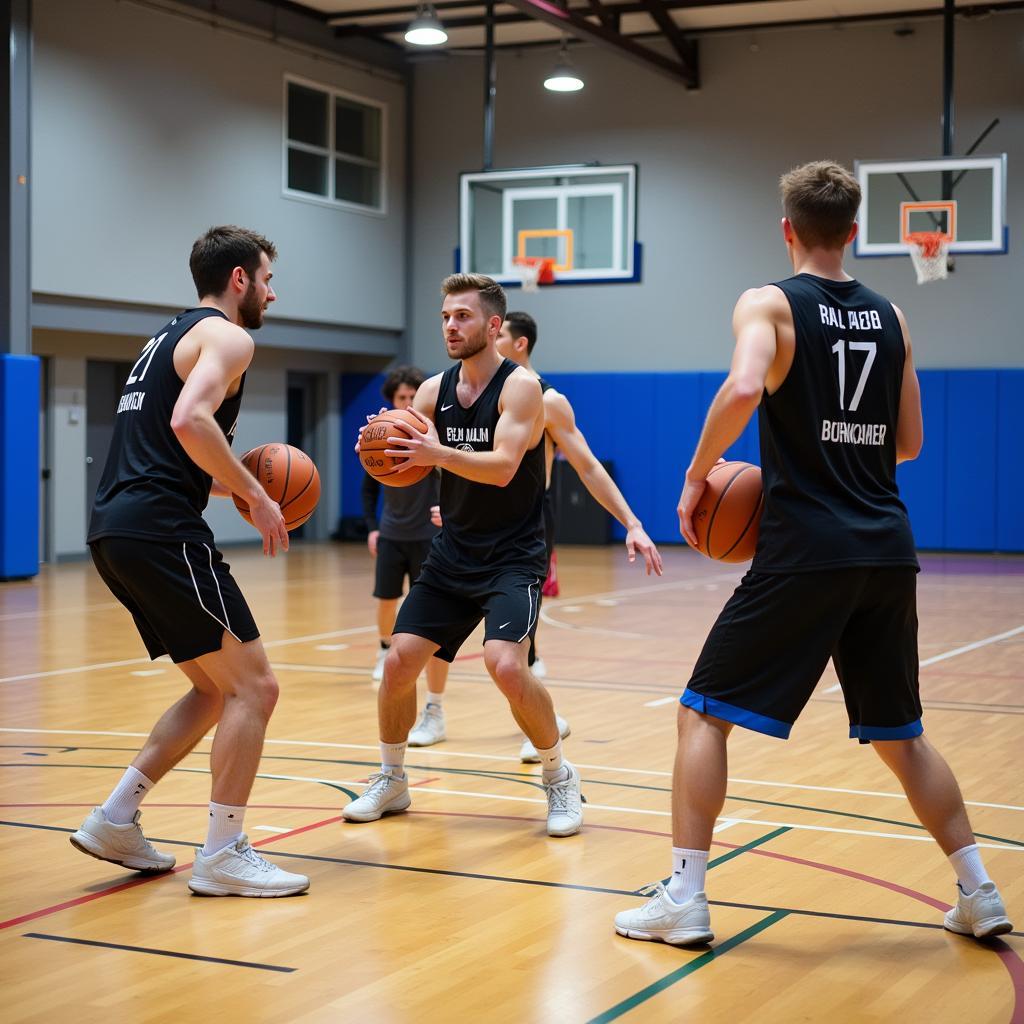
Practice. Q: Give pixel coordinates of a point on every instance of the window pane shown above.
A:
(307, 115)
(356, 183)
(307, 172)
(356, 129)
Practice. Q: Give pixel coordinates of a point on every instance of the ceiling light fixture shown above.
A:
(426, 28)
(564, 77)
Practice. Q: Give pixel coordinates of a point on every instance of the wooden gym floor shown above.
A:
(827, 895)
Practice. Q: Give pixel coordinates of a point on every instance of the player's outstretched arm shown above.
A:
(560, 423)
(225, 352)
(910, 422)
(520, 413)
(753, 321)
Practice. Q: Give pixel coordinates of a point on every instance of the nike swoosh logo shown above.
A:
(504, 624)
(445, 408)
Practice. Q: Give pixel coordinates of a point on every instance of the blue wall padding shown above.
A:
(965, 492)
(1010, 462)
(19, 466)
(360, 397)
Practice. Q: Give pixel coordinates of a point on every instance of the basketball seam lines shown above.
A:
(743, 533)
(721, 498)
(199, 596)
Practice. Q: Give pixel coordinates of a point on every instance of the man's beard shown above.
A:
(250, 309)
(470, 346)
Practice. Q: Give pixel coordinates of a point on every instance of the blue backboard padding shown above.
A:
(965, 492)
(19, 466)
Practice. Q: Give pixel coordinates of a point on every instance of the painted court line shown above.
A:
(435, 752)
(679, 973)
(161, 952)
(660, 701)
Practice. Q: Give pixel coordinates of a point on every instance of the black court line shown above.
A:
(162, 952)
(604, 890)
(529, 780)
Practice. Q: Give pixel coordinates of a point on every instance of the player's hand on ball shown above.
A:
(267, 518)
(688, 500)
(435, 515)
(371, 542)
(637, 542)
(423, 450)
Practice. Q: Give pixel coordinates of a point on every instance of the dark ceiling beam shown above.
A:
(604, 15)
(685, 49)
(571, 23)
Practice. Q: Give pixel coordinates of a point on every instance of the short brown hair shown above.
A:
(216, 254)
(492, 295)
(411, 375)
(821, 200)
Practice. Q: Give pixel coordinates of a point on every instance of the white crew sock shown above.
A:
(688, 870)
(552, 766)
(437, 699)
(392, 758)
(225, 827)
(970, 872)
(120, 807)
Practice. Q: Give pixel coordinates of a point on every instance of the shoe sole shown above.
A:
(427, 743)
(985, 929)
(565, 834)
(391, 809)
(202, 887)
(686, 938)
(77, 840)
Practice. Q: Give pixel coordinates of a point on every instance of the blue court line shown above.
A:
(633, 1001)
(161, 952)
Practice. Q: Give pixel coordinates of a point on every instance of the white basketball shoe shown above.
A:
(982, 914)
(661, 919)
(429, 729)
(565, 804)
(120, 844)
(238, 870)
(385, 795)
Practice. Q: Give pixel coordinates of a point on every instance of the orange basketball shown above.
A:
(374, 442)
(728, 515)
(288, 476)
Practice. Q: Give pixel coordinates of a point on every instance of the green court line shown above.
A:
(696, 964)
(748, 846)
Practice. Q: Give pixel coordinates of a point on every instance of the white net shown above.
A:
(929, 251)
(529, 275)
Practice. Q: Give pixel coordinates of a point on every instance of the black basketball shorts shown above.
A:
(397, 559)
(771, 643)
(181, 595)
(445, 608)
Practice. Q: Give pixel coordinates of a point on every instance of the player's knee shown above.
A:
(400, 669)
(261, 692)
(510, 674)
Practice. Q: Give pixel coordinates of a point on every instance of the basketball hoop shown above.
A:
(533, 271)
(930, 252)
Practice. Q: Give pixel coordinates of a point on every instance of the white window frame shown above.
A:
(332, 153)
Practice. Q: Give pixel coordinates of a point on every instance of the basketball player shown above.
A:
(516, 341)
(829, 363)
(484, 420)
(399, 543)
(171, 451)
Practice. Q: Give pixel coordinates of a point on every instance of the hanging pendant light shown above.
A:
(564, 77)
(426, 28)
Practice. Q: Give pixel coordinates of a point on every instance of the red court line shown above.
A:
(120, 887)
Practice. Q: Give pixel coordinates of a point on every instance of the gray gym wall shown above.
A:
(709, 165)
(149, 126)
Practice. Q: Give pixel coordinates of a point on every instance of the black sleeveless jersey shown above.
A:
(150, 487)
(486, 527)
(828, 435)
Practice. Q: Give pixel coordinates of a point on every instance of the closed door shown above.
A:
(104, 382)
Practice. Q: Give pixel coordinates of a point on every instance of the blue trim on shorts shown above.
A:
(864, 733)
(736, 715)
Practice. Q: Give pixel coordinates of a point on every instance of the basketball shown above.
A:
(288, 476)
(727, 517)
(374, 442)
